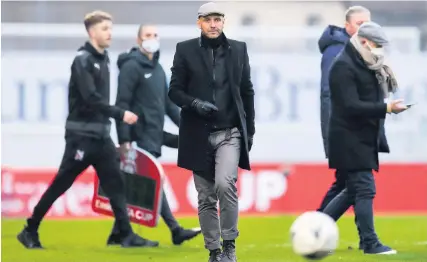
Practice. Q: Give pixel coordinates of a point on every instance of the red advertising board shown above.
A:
(263, 191)
(143, 207)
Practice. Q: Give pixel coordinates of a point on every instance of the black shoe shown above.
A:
(229, 251)
(361, 245)
(133, 240)
(215, 255)
(30, 239)
(180, 235)
(379, 249)
(114, 239)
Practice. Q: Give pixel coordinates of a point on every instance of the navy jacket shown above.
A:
(330, 43)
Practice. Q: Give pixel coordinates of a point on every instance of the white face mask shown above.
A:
(151, 45)
(378, 51)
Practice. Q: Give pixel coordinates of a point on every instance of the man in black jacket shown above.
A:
(359, 83)
(87, 134)
(143, 89)
(211, 83)
(331, 44)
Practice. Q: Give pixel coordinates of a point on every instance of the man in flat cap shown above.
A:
(211, 82)
(359, 83)
(331, 43)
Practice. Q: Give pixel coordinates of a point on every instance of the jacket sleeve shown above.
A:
(170, 140)
(247, 92)
(85, 83)
(172, 111)
(383, 144)
(127, 81)
(325, 100)
(179, 81)
(344, 93)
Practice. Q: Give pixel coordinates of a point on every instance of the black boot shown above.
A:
(114, 239)
(30, 239)
(229, 251)
(180, 235)
(215, 255)
(133, 240)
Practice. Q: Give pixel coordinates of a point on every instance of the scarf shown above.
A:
(384, 74)
(213, 42)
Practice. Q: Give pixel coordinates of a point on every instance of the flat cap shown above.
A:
(373, 32)
(210, 9)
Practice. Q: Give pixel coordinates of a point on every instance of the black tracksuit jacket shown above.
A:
(89, 95)
(143, 89)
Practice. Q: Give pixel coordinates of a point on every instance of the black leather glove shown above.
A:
(170, 140)
(250, 142)
(203, 108)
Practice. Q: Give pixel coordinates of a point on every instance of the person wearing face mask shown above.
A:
(142, 86)
(330, 44)
(359, 83)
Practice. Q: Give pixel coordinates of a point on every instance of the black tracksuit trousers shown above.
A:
(80, 153)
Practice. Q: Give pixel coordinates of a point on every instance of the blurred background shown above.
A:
(40, 38)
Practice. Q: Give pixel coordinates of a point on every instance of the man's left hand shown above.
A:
(250, 142)
(170, 140)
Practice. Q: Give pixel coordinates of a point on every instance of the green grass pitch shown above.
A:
(262, 239)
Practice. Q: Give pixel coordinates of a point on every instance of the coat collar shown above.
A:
(354, 55)
(224, 43)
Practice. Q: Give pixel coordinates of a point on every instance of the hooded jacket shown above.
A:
(330, 44)
(142, 89)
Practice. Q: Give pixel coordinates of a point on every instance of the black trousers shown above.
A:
(335, 192)
(360, 191)
(80, 153)
(335, 189)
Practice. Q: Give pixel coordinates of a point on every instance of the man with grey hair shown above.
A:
(359, 84)
(211, 82)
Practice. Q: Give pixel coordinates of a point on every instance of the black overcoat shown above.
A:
(358, 112)
(192, 78)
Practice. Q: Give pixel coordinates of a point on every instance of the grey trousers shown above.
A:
(226, 150)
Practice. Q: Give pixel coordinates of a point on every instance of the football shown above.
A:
(314, 235)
